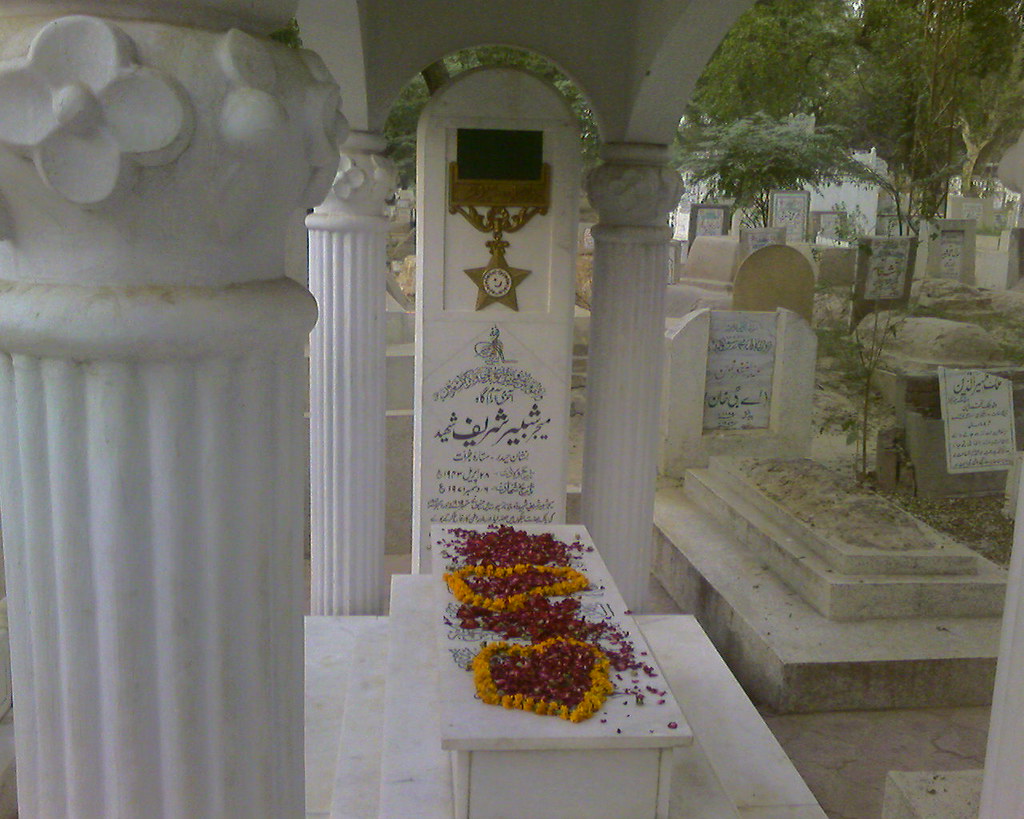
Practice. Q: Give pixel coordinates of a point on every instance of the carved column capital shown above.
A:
(365, 177)
(634, 187)
(164, 145)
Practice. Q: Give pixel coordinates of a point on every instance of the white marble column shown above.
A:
(1002, 793)
(347, 352)
(151, 377)
(633, 192)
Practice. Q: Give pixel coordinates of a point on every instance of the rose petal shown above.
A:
(26, 109)
(80, 49)
(146, 114)
(85, 169)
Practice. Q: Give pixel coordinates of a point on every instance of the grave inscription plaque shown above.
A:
(790, 210)
(740, 367)
(977, 411)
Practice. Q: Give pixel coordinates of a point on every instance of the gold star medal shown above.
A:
(497, 281)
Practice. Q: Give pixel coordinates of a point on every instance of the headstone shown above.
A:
(790, 210)
(708, 220)
(887, 224)
(825, 224)
(736, 383)
(885, 269)
(494, 334)
(712, 261)
(752, 239)
(977, 411)
(775, 276)
(981, 210)
(948, 250)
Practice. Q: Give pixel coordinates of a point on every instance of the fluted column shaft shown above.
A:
(1003, 788)
(151, 382)
(347, 265)
(633, 193)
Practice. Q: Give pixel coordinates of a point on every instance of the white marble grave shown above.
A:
(492, 382)
(948, 250)
(509, 762)
(736, 383)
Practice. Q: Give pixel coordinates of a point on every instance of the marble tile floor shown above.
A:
(844, 757)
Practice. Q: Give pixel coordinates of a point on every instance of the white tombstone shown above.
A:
(494, 320)
(948, 250)
(736, 383)
(977, 414)
(790, 210)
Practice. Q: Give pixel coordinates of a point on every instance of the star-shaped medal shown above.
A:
(497, 281)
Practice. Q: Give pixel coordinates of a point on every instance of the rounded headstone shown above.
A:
(775, 276)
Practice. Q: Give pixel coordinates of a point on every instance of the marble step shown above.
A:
(734, 770)
(791, 658)
(362, 725)
(798, 562)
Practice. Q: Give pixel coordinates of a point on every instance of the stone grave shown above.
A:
(885, 268)
(775, 276)
(498, 184)
(825, 224)
(708, 220)
(947, 250)
(790, 210)
(737, 383)
(981, 210)
(752, 239)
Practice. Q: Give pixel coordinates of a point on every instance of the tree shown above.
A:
(745, 160)
(781, 57)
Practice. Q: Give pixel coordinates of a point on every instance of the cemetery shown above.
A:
(652, 444)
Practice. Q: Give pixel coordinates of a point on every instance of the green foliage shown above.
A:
(400, 127)
(781, 57)
(746, 159)
(289, 35)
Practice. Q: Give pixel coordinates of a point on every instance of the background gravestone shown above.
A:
(790, 210)
(708, 220)
(752, 239)
(736, 383)
(947, 250)
(825, 224)
(494, 317)
(775, 276)
(885, 268)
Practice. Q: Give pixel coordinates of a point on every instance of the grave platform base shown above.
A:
(790, 658)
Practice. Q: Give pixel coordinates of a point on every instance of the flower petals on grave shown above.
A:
(558, 677)
(507, 588)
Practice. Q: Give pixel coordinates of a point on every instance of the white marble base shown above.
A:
(734, 769)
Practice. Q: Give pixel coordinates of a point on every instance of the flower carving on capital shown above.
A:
(256, 122)
(634, 193)
(87, 113)
(363, 182)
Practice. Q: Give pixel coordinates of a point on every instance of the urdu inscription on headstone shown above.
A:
(740, 366)
(790, 210)
(494, 338)
(977, 411)
(951, 249)
(708, 220)
(884, 275)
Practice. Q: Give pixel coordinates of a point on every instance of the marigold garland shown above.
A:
(588, 705)
(572, 581)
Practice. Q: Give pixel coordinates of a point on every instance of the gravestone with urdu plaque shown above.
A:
(885, 268)
(497, 175)
(708, 220)
(790, 210)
